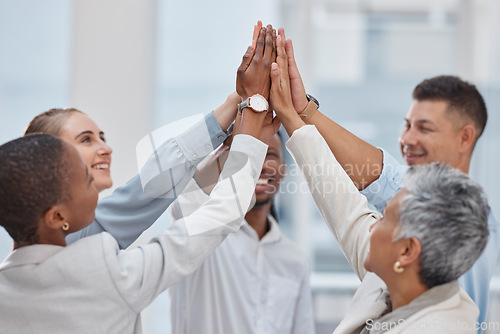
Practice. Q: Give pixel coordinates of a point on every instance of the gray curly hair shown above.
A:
(448, 213)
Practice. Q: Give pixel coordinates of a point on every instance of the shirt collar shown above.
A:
(273, 235)
(31, 254)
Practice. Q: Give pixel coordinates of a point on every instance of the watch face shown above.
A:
(258, 103)
(312, 98)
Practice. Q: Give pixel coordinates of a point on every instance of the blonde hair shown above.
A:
(50, 121)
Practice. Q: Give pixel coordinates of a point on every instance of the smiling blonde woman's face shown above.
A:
(80, 131)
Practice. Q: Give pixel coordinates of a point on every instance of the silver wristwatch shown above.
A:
(257, 102)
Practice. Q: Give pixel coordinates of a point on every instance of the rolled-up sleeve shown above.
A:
(388, 184)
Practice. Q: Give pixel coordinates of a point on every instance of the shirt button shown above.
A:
(221, 138)
(208, 148)
(195, 157)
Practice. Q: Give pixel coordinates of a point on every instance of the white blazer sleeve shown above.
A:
(343, 208)
(140, 274)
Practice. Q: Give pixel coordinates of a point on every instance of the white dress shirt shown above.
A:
(247, 286)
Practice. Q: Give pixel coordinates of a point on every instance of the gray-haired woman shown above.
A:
(409, 261)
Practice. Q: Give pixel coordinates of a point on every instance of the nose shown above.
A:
(408, 137)
(267, 167)
(104, 148)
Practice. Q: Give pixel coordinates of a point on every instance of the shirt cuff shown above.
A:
(201, 139)
(388, 184)
(252, 148)
(217, 136)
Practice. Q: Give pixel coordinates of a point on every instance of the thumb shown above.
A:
(275, 73)
(247, 59)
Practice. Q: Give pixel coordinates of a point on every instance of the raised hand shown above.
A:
(281, 97)
(253, 73)
(256, 32)
(298, 92)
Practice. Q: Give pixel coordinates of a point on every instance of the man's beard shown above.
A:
(262, 203)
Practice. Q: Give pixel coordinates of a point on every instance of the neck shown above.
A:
(463, 163)
(404, 288)
(257, 218)
(463, 166)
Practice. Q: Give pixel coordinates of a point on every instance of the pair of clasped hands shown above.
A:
(268, 68)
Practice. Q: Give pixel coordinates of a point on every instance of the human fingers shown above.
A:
(256, 31)
(276, 89)
(245, 62)
(290, 53)
(259, 50)
(269, 42)
(273, 56)
(281, 58)
(281, 32)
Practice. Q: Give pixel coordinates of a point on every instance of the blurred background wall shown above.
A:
(136, 65)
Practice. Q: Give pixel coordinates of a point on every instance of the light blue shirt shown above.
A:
(128, 211)
(476, 282)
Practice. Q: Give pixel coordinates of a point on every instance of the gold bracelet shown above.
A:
(308, 111)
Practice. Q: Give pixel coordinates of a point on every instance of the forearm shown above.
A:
(172, 164)
(291, 121)
(251, 122)
(361, 161)
(208, 171)
(226, 112)
(183, 247)
(343, 208)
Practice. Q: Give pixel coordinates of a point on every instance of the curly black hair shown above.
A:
(34, 176)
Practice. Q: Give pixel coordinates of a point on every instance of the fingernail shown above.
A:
(274, 66)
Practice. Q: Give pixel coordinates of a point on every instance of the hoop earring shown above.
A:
(65, 226)
(398, 268)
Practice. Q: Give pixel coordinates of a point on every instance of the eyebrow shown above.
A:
(420, 121)
(89, 133)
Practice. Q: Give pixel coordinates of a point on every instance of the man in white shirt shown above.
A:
(257, 281)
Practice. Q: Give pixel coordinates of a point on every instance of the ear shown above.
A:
(410, 252)
(55, 217)
(467, 135)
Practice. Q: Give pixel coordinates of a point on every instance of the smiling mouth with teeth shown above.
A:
(263, 182)
(101, 166)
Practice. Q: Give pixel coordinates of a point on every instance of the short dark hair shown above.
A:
(463, 98)
(34, 176)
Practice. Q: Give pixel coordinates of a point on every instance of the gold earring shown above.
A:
(65, 226)
(398, 268)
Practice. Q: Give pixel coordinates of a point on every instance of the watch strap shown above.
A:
(309, 110)
(248, 103)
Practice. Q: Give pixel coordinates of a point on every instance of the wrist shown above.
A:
(234, 98)
(256, 102)
(251, 122)
(301, 106)
(309, 111)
